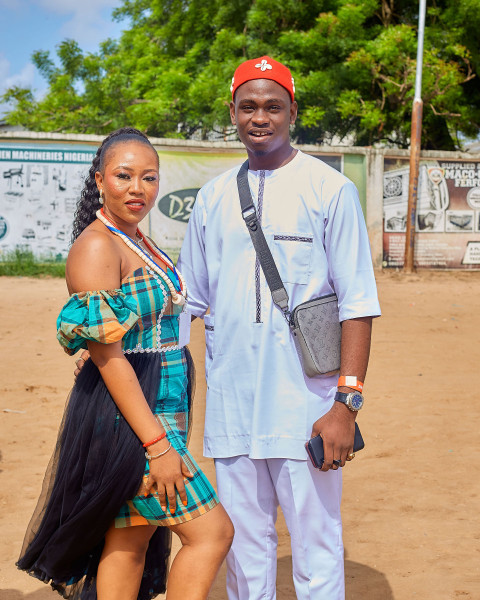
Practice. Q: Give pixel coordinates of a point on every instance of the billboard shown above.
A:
(447, 227)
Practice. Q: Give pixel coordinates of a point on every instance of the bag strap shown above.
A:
(249, 214)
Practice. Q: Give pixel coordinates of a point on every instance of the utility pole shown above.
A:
(415, 145)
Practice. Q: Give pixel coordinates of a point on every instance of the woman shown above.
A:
(121, 477)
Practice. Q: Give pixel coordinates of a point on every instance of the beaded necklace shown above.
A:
(177, 297)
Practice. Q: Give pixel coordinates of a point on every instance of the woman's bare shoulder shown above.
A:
(94, 262)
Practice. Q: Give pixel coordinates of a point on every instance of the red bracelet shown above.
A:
(155, 440)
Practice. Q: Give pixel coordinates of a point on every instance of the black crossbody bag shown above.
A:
(314, 324)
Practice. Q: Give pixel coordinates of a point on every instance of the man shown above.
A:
(261, 408)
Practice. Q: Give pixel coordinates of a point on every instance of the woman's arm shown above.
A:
(166, 472)
(122, 383)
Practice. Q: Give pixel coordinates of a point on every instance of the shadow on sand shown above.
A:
(362, 583)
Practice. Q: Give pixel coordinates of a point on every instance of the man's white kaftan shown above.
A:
(259, 402)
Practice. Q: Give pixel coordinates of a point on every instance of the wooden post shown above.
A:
(415, 144)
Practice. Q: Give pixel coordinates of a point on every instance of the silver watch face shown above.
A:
(355, 401)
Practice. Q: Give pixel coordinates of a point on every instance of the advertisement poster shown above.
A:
(447, 228)
(182, 174)
(39, 188)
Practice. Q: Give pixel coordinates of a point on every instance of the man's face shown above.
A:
(262, 112)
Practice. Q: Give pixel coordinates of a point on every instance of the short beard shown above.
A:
(259, 152)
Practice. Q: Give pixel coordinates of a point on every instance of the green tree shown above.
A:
(353, 60)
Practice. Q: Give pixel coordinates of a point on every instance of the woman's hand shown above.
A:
(80, 362)
(167, 474)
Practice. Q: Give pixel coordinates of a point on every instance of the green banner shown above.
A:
(42, 155)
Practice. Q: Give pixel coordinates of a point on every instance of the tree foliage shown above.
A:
(354, 64)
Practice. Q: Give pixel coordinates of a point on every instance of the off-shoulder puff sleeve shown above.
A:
(103, 316)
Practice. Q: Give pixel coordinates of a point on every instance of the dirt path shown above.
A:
(411, 498)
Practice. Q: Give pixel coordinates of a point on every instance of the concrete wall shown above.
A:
(63, 160)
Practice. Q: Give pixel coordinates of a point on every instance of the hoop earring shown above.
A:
(101, 197)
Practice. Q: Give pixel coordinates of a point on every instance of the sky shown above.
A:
(30, 25)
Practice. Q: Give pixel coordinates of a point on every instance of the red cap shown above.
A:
(263, 68)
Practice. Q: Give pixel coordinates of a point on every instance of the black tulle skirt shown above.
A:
(97, 465)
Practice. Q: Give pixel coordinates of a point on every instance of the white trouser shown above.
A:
(251, 490)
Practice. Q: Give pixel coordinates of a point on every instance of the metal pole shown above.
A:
(415, 145)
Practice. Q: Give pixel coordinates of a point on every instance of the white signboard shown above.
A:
(39, 190)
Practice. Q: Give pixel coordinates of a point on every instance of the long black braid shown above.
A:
(89, 202)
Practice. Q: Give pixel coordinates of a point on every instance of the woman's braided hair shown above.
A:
(89, 202)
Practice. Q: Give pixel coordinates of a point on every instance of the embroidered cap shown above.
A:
(263, 68)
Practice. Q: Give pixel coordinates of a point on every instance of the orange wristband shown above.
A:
(350, 381)
(155, 440)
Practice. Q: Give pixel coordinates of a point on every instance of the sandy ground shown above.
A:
(411, 498)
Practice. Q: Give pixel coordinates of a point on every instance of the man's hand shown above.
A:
(337, 428)
(81, 361)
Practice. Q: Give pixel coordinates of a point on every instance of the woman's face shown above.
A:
(129, 182)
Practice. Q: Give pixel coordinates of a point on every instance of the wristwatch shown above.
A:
(353, 400)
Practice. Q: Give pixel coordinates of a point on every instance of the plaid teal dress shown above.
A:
(142, 315)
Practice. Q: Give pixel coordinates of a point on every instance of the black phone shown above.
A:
(314, 447)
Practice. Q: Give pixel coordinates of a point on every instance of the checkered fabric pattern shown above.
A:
(141, 313)
(154, 303)
(103, 316)
(145, 509)
(108, 316)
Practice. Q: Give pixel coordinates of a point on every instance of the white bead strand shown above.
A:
(162, 256)
(177, 298)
